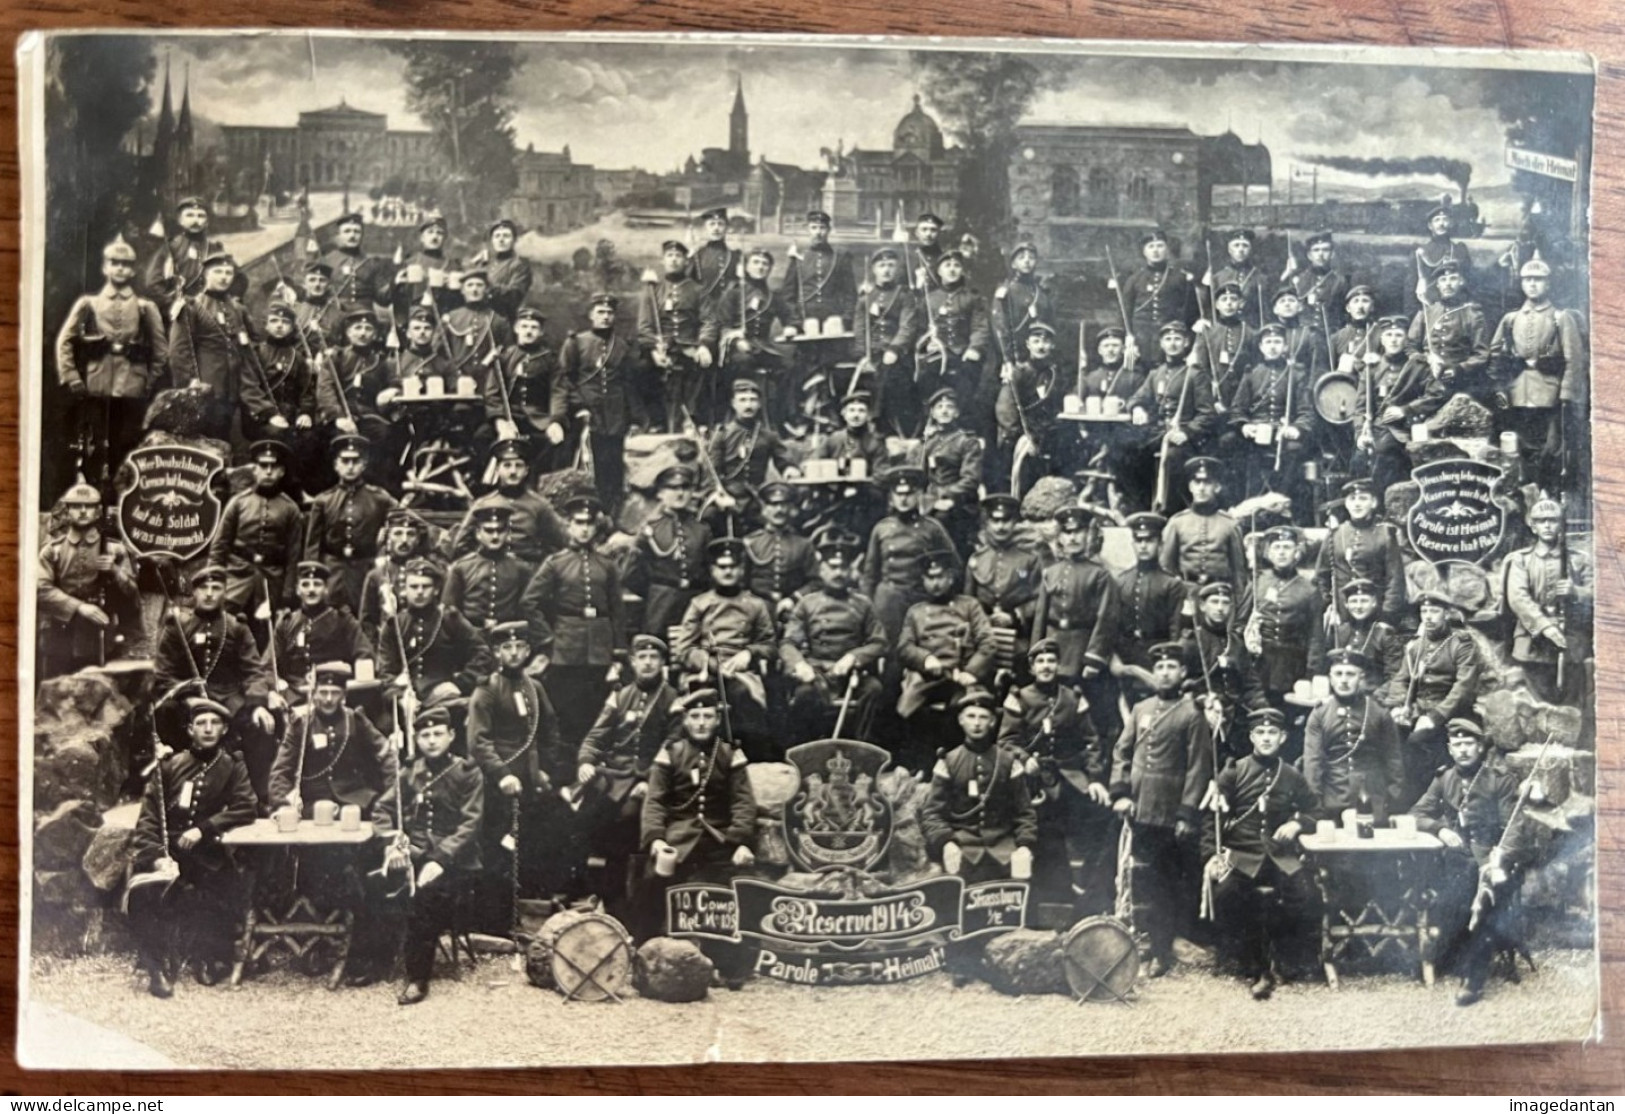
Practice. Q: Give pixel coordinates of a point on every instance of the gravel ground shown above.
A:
(489, 1016)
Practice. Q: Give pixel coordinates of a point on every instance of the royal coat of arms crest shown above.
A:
(838, 817)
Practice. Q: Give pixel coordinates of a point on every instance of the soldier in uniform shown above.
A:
(260, 536)
(925, 250)
(176, 270)
(1261, 896)
(669, 559)
(746, 314)
(1028, 409)
(330, 752)
(1004, 576)
(699, 817)
(526, 841)
(1321, 289)
(1352, 343)
(406, 536)
(978, 820)
(1542, 369)
(1174, 412)
(1201, 544)
(1227, 347)
(1066, 766)
(727, 639)
(315, 631)
(1362, 547)
(211, 345)
(111, 356)
(594, 385)
(613, 766)
(946, 648)
(577, 593)
(1351, 755)
(714, 265)
(507, 275)
(209, 648)
(954, 336)
(359, 280)
(89, 604)
(779, 561)
(893, 570)
(423, 356)
(1453, 336)
(1158, 293)
(676, 337)
(820, 277)
(1438, 681)
(1282, 617)
(427, 646)
(344, 523)
(1306, 344)
(1550, 594)
(279, 401)
(475, 333)
(1154, 606)
(486, 586)
(1240, 270)
(181, 876)
(427, 274)
(1273, 415)
(952, 458)
(433, 830)
(1470, 806)
(318, 316)
(831, 649)
(347, 397)
(534, 527)
(1114, 379)
(1398, 392)
(859, 452)
(741, 450)
(1378, 641)
(1078, 606)
(1161, 767)
(885, 324)
(1019, 303)
(519, 389)
(1437, 250)
(1224, 671)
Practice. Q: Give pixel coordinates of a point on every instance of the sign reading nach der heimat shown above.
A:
(850, 926)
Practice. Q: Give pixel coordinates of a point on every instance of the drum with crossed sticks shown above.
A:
(1100, 960)
(585, 956)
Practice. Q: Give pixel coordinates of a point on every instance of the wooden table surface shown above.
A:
(1597, 26)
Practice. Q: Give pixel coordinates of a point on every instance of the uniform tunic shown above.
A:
(1203, 545)
(1263, 794)
(894, 567)
(671, 566)
(1277, 393)
(258, 543)
(740, 452)
(361, 374)
(577, 592)
(342, 529)
(1046, 722)
(487, 589)
(885, 319)
(1541, 356)
(1156, 295)
(595, 375)
(1078, 606)
(280, 386)
(1528, 579)
(956, 632)
(113, 343)
(821, 284)
(345, 760)
(176, 269)
(672, 312)
(217, 648)
(1445, 667)
(441, 646)
(778, 564)
(1163, 761)
(1152, 605)
(1020, 303)
(306, 638)
(1172, 395)
(513, 730)
(534, 527)
(209, 792)
(359, 279)
(1225, 352)
(980, 801)
(1005, 578)
(699, 801)
(1251, 281)
(1289, 623)
(634, 723)
(1351, 750)
(715, 266)
(826, 625)
(520, 383)
(508, 279)
(952, 459)
(1456, 332)
(960, 319)
(717, 625)
(1363, 551)
(211, 342)
(1375, 639)
(1322, 290)
(68, 577)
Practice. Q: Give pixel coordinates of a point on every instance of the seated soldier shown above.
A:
(727, 639)
(315, 631)
(535, 529)
(1067, 768)
(1351, 755)
(513, 733)
(1470, 807)
(833, 643)
(406, 536)
(330, 752)
(1225, 674)
(1260, 894)
(946, 647)
(433, 828)
(428, 645)
(612, 771)
(780, 560)
(1438, 680)
(181, 875)
(699, 818)
(952, 459)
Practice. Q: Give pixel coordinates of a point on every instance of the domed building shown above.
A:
(919, 174)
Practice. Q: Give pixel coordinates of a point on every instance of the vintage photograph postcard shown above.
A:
(606, 549)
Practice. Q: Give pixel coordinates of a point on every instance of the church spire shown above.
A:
(166, 119)
(739, 128)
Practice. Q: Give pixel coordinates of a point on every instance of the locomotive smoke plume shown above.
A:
(1456, 170)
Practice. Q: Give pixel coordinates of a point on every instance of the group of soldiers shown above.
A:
(549, 698)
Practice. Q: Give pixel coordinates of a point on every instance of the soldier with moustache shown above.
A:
(358, 280)
(513, 735)
(1240, 271)
(318, 316)
(1542, 371)
(427, 273)
(348, 393)
(612, 766)
(279, 402)
(1305, 342)
(779, 562)
(176, 270)
(1439, 249)
(519, 390)
(1396, 392)
(405, 537)
(885, 327)
(1439, 678)
(1201, 544)
(1282, 616)
(343, 524)
(669, 560)
(1362, 547)
(330, 752)
(1020, 302)
(1351, 747)
(475, 333)
(427, 646)
(946, 647)
(211, 345)
(819, 280)
(1226, 349)
(487, 586)
(893, 569)
(1322, 290)
(676, 336)
(742, 448)
(1452, 335)
(594, 387)
(1380, 642)
(727, 639)
(1354, 348)
(924, 252)
(1550, 595)
(534, 527)
(1028, 408)
(1273, 417)
(952, 458)
(714, 265)
(1066, 766)
(1078, 606)
(260, 536)
(1223, 671)
(508, 277)
(1158, 293)
(1114, 378)
(1003, 575)
(89, 602)
(181, 875)
(751, 319)
(832, 645)
(1173, 412)
(315, 631)
(954, 338)
(1154, 608)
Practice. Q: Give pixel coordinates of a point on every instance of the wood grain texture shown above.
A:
(1597, 26)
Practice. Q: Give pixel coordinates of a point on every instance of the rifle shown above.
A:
(1286, 414)
(931, 333)
(1485, 896)
(1160, 498)
(1122, 307)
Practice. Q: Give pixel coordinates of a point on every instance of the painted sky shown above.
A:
(653, 104)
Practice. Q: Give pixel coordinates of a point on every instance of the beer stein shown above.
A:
(412, 387)
(325, 813)
(287, 819)
(833, 326)
(435, 386)
(1111, 406)
(349, 818)
(809, 327)
(364, 670)
(666, 862)
(467, 386)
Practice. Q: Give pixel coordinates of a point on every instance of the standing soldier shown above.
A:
(427, 646)
(577, 593)
(1273, 415)
(1351, 755)
(885, 325)
(1439, 249)
(426, 273)
(1549, 590)
(954, 334)
(727, 638)
(1225, 669)
(1282, 617)
(175, 271)
(1542, 372)
(832, 646)
(741, 449)
(1161, 767)
(261, 535)
(952, 458)
(1363, 547)
(486, 586)
(211, 347)
(110, 356)
(345, 522)
(1451, 334)
(1004, 576)
(534, 527)
(475, 333)
(926, 250)
(595, 387)
(1028, 410)
(779, 560)
(746, 315)
(1019, 303)
(819, 281)
(1114, 379)
(1438, 681)
(669, 566)
(181, 875)
(359, 280)
(1158, 293)
(714, 265)
(315, 631)
(89, 604)
(507, 275)
(330, 752)
(1067, 768)
(1174, 410)
(1201, 544)
(519, 390)
(1321, 289)
(1353, 347)
(1397, 392)
(279, 402)
(405, 537)
(1240, 270)
(676, 337)
(893, 570)
(946, 648)
(1227, 347)
(1305, 342)
(1078, 607)
(348, 390)
(1154, 604)
(318, 316)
